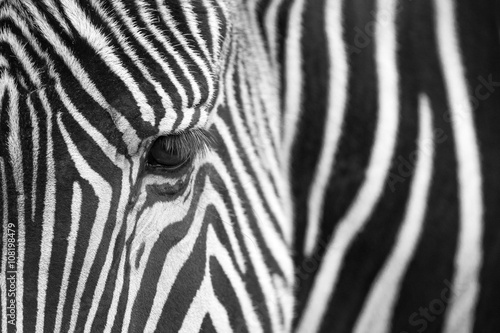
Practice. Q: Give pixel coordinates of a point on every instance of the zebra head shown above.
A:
(140, 182)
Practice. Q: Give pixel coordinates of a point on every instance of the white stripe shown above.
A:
(36, 151)
(386, 132)
(293, 95)
(337, 96)
(187, 117)
(293, 70)
(214, 23)
(3, 62)
(76, 205)
(113, 309)
(285, 297)
(271, 22)
(377, 310)
(103, 192)
(49, 209)
(468, 259)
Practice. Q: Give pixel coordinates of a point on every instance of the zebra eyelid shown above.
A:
(189, 144)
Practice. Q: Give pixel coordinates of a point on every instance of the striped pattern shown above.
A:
(105, 243)
(352, 183)
(393, 165)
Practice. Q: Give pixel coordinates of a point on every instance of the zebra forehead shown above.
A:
(153, 66)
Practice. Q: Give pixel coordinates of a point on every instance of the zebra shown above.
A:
(141, 184)
(179, 166)
(396, 215)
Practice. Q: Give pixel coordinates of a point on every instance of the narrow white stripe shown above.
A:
(48, 217)
(468, 259)
(3, 62)
(243, 93)
(377, 311)
(187, 117)
(293, 70)
(36, 151)
(113, 309)
(335, 115)
(285, 297)
(380, 160)
(103, 192)
(271, 23)
(214, 23)
(76, 204)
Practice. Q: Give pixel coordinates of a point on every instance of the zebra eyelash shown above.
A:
(188, 144)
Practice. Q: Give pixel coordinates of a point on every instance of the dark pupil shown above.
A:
(159, 155)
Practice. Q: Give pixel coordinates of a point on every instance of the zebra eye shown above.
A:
(172, 152)
(167, 154)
